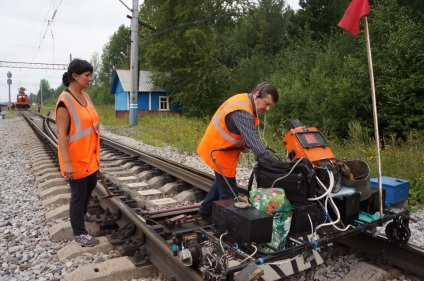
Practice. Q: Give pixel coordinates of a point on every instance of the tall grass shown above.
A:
(400, 159)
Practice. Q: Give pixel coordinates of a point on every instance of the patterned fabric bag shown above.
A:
(274, 202)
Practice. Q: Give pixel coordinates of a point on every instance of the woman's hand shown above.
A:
(68, 171)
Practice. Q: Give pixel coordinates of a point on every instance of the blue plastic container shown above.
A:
(397, 190)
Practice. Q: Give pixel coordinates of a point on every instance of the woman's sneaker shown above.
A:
(88, 217)
(86, 240)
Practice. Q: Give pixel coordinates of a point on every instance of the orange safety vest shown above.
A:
(218, 136)
(83, 136)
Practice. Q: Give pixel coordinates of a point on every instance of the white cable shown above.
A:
(330, 188)
(220, 242)
(262, 138)
(333, 223)
(338, 216)
(280, 178)
(312, 226)
(328, 223)
(327, 193)
(249, 257)
(263, 131)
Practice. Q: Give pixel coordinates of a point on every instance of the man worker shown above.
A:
(232, 130)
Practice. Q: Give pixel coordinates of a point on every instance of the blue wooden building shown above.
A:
(149, 98)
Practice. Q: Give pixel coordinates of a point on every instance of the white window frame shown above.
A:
(163, 100)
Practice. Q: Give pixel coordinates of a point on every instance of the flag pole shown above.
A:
(374, 109)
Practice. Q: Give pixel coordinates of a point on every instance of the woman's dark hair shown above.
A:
(266, 88)
(76, 66)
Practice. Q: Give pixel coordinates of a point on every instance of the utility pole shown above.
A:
(134, 65)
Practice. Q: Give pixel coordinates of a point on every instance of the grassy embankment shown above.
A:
(8, 114)
(398, 159)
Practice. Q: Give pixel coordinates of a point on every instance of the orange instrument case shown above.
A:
(309, 143)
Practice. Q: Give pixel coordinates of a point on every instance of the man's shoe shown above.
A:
(205, 217)
(88, 217)
(86, 240)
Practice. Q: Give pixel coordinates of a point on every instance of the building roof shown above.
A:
(145, 83)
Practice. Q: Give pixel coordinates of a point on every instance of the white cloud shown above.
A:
(79, 27)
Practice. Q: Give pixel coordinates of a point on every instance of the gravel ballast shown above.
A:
(26, 252)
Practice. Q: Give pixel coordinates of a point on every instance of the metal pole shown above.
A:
(9, 82)
(134, 65)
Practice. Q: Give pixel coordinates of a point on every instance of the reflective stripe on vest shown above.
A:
(82, 136)
(80, 133)
(218, 136)
(216, 119)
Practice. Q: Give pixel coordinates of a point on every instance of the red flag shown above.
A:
(352, 17)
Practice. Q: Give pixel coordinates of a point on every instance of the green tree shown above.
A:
(320, 16)
(257, 37)
(203, 54)
(398, 55)
(111, 57)
(97, 65)
(110, 60)
(187, 51)
(45, 94)
(32, 98)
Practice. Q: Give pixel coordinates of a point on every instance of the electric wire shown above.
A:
(189, 23)
(46, 28)
(280, 178)
(32, 57)
(220, 241)
(262, 137)
(327, 191)
(252, 255)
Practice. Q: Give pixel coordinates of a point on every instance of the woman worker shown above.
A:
(78, 134)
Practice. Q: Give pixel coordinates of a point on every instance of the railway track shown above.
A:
(155, 197)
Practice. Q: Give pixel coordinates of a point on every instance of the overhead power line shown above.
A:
(33, 65)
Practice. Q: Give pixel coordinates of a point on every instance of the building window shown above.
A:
(163, 103)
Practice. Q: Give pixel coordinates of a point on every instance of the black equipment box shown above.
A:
(297, 178)
(300, 223)
(244, 225)
(348, 206)
(372, 203)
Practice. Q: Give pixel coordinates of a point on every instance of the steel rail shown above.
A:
(191, 176)
(46, 127)
(160, 252)
(42, 135)
(406, 257)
